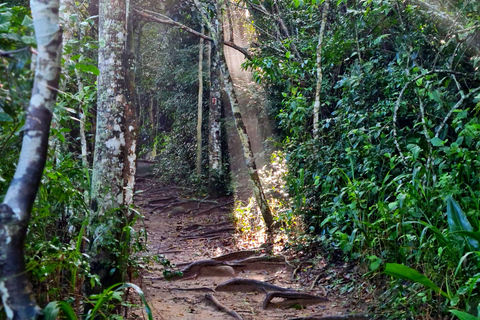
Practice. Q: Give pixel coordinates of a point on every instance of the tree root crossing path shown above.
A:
(220, 279)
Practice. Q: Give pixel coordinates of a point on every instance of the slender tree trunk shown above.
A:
(153, 132)
(67, 8)
(16, 291)
(316, 106)
(242, 131)
(200, 105)
(107, 191)
(131, 128)
(214, 123)
(83, 109)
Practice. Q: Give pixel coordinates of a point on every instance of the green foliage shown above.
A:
(15, 85)
(370, 187)
(404, 272)
(100, 304)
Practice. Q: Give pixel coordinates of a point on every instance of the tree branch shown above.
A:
(171, 22)
(166, 20)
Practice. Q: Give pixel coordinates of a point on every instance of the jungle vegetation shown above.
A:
(375, 106)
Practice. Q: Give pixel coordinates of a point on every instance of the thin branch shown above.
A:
(458, 104)
(9, 54)
(166, 20)
(170, 22)
(239, 49)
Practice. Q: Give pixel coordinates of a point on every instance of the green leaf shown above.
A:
(415, 150)
(5, 23)
(87, 68)
(459, 223)
(463, 315)
(27, 22)
(5, 117)
(107, 294)
(142, 297)
(11, 36)
(436, 142)
(51, 310)
(30, 40)
(404, 272)
(435, 96)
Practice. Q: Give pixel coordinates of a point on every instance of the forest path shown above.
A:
(187, 230)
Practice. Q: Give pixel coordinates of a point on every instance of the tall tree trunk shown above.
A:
(214, 123)
(107, 193)
(15, 211)
(316, 106)
(200, 105)
(131, 128)
(242, 131)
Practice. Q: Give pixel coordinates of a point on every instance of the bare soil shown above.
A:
(225, 280)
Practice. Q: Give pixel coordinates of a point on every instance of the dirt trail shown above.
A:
(189, 230)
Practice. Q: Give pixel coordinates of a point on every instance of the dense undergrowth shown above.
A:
(399, 136)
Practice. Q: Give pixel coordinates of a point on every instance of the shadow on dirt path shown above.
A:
(221, 280)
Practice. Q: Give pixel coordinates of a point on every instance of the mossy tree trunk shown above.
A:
(114, 158)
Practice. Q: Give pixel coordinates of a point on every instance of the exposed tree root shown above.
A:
(160, 200)
(192, 269)
(202, 289)
(209, 233)
(314, 283)
(340, 317)
(262, 259)
(294, 273)
(248, 285)
(297, 296)
(202, 237)
(232, 256)
(214, 207)
(171, 251)
(221, 307)
(201, 227)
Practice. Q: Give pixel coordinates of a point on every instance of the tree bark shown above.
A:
(316, 106)
(131, 127)
(200, 105)
(17, 295)
(107, 190)
(214, 123)
(242, 131)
